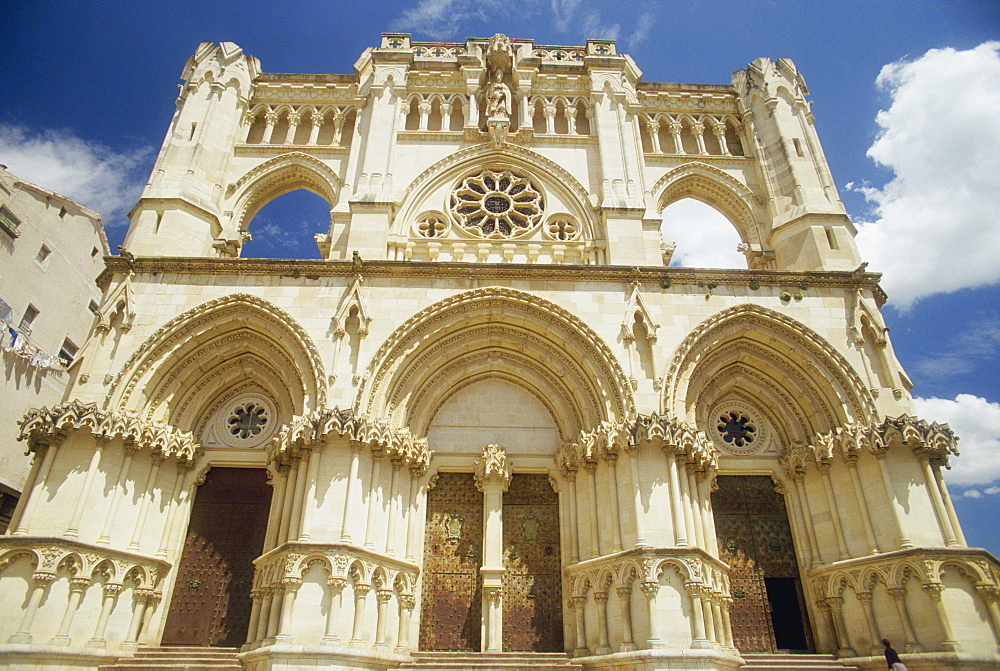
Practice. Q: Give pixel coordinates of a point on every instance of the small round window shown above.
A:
(738, 428)
(248, 420)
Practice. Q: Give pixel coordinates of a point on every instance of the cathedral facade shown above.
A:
(492, 418)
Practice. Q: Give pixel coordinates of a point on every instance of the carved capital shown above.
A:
(578, 602)
(406, 601)
(336, 585)
(492, 467)
(493, 594)
(649, 587)
(624, 593)
(601, 597)
(383, 595)
(934, 590)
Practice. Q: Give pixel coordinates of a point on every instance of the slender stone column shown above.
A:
(595, 534)
(360, 593)
(898, 595)
(111, 592)
(77, 586)
(309, 500)
(625, 603)
(291, 587)
(116, 495)
(574, 531)
(141, 598)
(937, 503)
(73, 531)
(36, 488)
(579, 605)
(708, 485)
(676, 514)
(686, 502)
(390, 534)
(492, 473)
(727, 626)
(374, 498)
(336, 586)
(949, 506)
(298, 498)
(706, 609)
(411, 514)
(288, 501)
(315, 123)
(649, 589)
(831, 500)
(266, 601)
(699, 523)
(865, 599)
(406, 604)
(175, 501)
(698, 129)
(275, 514)
(257, 598)
(836, 605)
(934, 591)
(616, 523)
(807, 521)
(859, 492)
(382, 597)
(274, 614)
(719, 130)
(990, 594)
(345, 534)
(653, 126)
(40, 582)
(270, 119)
(904, 542)
(720, 633)
(699, 639)
(601, 599)
(293, 127)
(794, 508)
(632, 451)
(146, 496)
(675, 131)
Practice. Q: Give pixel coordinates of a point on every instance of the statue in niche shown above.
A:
(498, 98)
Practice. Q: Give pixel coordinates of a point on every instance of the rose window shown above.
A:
(736, 429)
(247, 420)
(496, 204)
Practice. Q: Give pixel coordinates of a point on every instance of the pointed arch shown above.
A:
(204, 355)
(715, 188)
(276, 177)
(496, 333)
(752, 352)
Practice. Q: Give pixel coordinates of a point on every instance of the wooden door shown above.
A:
(532, 588)
(755, 540)
(211, 600)
(451, 597)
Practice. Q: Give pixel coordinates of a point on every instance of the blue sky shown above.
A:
(906, 96)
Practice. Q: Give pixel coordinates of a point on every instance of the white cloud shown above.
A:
(90, 173)
(704, 237)
(975, 421)
(937, 223)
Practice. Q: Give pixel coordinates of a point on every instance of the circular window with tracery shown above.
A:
(738, 428)
(248, 421)
(497, 204)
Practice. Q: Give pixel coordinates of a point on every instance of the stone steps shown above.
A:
(792, 662)
(489, 661)
(178, 657)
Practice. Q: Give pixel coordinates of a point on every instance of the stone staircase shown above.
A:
(486, 661)
(783, 661)
(189, 658)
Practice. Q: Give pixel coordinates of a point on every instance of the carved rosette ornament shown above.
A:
(497, 204)
(492, 467)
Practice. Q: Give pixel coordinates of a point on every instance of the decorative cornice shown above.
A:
(309, 269)
(375, 433)
(41, 425)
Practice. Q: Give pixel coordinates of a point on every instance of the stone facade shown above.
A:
(492, 304)
(51, 252)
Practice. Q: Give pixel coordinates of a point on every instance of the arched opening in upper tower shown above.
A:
(285, 228)
(702, 236)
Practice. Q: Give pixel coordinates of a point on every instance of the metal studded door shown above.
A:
(451, 606)
(211, 600)
(532, 588)
(755, 540)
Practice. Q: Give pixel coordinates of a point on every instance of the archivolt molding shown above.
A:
(733, 197)
(392, 363)
(819, 355)
(932, 441)
(179, 330)
(894, 570)
(507, 156)
(43, 427)
(305, 432)
(49, 555)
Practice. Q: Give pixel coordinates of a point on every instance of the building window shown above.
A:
(68, 352)
(30, 313)
(9, 223)
(43, 255)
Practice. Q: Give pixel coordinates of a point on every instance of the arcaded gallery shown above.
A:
(489, 426)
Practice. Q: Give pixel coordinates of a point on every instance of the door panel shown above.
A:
(451, 597)
(211, 600)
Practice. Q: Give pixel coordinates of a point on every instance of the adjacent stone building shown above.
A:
(51, 253)
(490, 419)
